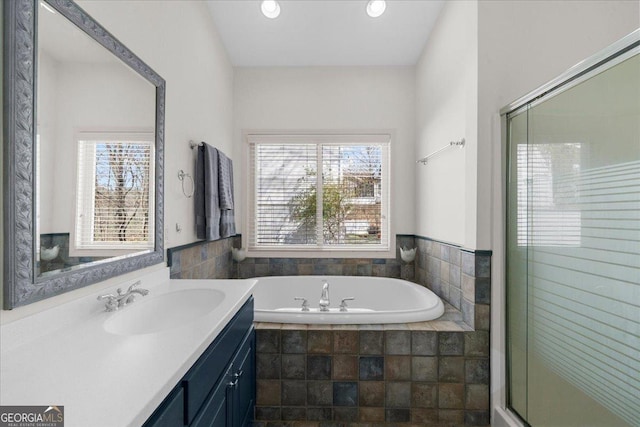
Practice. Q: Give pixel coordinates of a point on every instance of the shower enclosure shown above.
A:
(573, 245)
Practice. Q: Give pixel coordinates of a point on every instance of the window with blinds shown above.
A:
(114, 198)
(319, 192)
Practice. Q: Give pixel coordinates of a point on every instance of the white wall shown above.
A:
(334, 98)
(446, 92)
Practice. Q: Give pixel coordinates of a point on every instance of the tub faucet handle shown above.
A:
(305, 303)
(343, 304)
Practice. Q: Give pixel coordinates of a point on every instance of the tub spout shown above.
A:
(324, 298)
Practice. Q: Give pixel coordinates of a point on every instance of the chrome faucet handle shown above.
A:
(305, 303)
(112, 302)
(343, 304)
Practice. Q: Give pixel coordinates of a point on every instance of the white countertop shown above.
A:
(63, 356)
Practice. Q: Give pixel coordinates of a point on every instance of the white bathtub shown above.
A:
(377, 300)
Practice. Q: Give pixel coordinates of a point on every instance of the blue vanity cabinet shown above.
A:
(231, 403)
(243, 392)
(170, 412)
(219, 389)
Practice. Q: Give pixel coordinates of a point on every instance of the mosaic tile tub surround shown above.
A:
(428, 373)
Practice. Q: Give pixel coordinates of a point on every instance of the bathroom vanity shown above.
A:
(219, 389)
(182, 355)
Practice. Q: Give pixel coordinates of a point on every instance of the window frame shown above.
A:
(384, 137)
(110, 249)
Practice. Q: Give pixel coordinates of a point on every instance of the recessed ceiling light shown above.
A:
(376, 8)
(270, 9)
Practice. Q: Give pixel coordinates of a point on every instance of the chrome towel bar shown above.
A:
(450, 144)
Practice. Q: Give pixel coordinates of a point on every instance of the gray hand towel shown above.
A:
(206, 195)
(225, 192)
(225, 181)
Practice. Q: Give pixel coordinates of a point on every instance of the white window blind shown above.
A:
(319, 192)
(114, 199)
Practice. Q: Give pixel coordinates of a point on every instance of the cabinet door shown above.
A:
(171, 412)
(210, 368)
(217, 409)
(244, 390)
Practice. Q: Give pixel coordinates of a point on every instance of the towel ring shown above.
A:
(181, 176)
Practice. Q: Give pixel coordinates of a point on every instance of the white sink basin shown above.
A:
(165, 311)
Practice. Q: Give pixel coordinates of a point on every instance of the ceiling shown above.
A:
(324, 32)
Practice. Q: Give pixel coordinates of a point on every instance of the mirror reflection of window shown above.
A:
(114, 196)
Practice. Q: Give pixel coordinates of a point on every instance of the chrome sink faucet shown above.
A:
(114, 302)
(324, 298)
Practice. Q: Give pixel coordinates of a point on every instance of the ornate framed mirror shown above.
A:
(83, 153)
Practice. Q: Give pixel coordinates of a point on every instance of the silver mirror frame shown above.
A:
(21, 286)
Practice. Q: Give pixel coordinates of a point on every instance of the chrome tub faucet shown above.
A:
(324, 298)
(114, 302)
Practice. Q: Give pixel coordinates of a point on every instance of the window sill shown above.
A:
(309, 253)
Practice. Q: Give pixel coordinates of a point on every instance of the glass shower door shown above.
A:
(573, 252)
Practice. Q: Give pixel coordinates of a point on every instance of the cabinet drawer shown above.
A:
(211, 366)
(171, 412)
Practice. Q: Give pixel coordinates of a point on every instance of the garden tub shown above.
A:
(376, 300)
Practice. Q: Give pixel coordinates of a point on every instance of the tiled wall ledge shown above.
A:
(429, 373)
(204, 260)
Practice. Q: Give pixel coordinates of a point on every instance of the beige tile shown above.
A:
(319, 327)
(371, 393)
(372, 415)
(294, 327)
(267, 325)
(421, 326)
(446, 326)
(345, 367)
(345, 341)
(451, 396)
(397, 368)
(319, 341)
